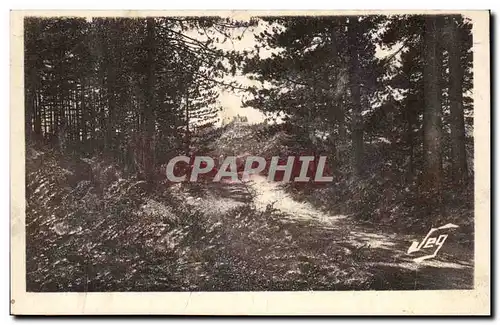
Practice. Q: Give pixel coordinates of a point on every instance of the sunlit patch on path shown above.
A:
(270, 193)
(325, 240)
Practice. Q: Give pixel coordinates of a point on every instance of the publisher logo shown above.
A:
(432, 242)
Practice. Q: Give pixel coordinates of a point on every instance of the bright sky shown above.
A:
(231, 101)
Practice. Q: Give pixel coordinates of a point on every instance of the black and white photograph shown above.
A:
(252, 153)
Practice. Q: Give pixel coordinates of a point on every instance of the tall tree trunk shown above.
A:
(432, 110)
(84, 118)
(457, 123)
(47, 110)
(38, 116)
(111, 119)
(357, 121)
(89, 85)
(149, 121)
(29, 111)
(32, 107)
(411, 119)
(110, 58)
(187, 138)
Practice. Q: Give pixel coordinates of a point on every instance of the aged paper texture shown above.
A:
(250, 163)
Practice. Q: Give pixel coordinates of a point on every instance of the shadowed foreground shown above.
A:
(89, 235)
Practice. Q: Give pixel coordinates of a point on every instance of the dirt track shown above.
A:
(306, 240)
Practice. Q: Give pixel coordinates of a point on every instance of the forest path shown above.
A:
(307, 233)
(311, 248)
(382, 251)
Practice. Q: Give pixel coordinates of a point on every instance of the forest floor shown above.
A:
(306, 241)
(309, 241)
(84, 234)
